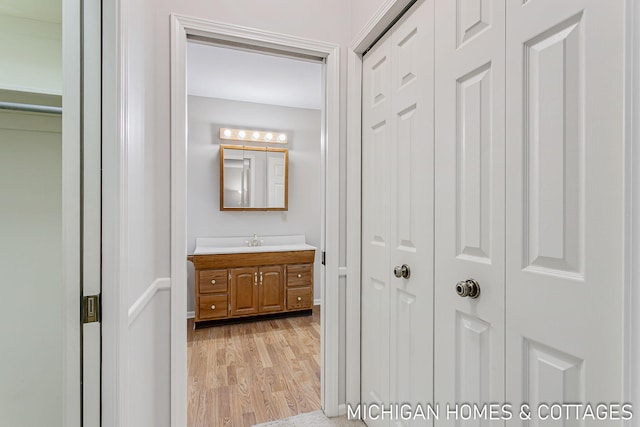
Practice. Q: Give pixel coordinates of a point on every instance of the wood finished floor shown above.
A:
(251, 373)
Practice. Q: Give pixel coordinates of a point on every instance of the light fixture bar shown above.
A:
(268, 136)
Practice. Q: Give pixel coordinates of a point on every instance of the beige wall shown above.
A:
(31, 53)
(31, 318)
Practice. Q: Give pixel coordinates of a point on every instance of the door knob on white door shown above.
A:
(402, 271)
(468, 288)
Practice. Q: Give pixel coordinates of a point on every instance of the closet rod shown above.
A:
(31, 108)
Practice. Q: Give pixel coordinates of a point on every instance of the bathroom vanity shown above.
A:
(244, 278)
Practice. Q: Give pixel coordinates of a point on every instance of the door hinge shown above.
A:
(324, 258)
(91, 309)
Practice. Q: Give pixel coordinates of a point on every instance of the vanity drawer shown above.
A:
(212, 307)
(300, 275)
(299, 298)
(211, 281)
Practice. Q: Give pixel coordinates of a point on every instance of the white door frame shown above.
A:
(632, 207)
(388, 13)
(181, 27)
(71, 218)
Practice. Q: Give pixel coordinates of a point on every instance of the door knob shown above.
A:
(402, 271)
(468, 288)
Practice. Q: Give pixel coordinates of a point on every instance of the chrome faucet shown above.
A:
(255, 241)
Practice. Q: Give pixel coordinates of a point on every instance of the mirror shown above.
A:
(253, 178)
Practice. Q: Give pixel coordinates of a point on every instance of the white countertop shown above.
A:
(233, 245)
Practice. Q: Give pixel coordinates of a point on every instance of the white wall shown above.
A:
(204, 218)
(31, 53)
(149, 364)
(360, 13)
(142, 146)
(31, 318)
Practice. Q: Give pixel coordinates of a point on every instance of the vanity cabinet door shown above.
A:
(244, 291)
(271, 288)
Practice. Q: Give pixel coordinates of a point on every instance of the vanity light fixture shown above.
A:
(254, 135)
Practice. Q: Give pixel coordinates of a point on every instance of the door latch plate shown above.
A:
(91, 309)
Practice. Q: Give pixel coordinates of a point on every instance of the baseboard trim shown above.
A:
(317, 302)
(191, 314)
(342, 409)
(160, 284)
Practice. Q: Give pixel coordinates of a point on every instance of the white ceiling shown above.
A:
(216, 72)
(41, 10)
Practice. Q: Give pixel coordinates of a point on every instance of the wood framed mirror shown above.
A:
(254, 178)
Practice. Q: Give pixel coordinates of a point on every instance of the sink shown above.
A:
(233, 245)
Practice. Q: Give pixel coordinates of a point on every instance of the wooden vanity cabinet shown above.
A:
(236, 286)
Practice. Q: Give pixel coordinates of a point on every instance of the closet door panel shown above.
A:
(565, 64)
(397, 311)
(376, 172)
(411, 162)
(469, 203)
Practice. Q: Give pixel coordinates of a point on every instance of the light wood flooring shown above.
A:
(251, 373)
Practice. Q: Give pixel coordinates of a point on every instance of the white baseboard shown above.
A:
(160, 284)
(191, 314)
(317, 301)
(342, 409)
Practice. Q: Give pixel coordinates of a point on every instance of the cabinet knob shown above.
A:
(213, 282)
(299, 298)
(299, 275)
(213, 307)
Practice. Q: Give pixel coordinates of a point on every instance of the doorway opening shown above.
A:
(240, 103)
(187, 33)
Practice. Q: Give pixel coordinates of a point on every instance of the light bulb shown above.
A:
(256, 135)
(227, 133)
(242, 134)
(269, 136)
(282, 137)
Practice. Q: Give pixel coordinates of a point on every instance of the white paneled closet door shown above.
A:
(470, 204)
(376, 148)
(565, 110)
(397, 312)
(520, 194)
